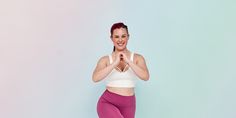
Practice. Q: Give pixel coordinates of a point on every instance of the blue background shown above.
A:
(49, 49)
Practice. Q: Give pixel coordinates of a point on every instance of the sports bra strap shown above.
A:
(132, 57)
(110, 59)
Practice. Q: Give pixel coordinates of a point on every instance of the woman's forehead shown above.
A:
(120, 31)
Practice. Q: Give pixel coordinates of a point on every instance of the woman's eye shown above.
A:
(123, 36)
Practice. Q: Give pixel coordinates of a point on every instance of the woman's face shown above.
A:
(120, 38)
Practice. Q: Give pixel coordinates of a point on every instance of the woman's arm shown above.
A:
(139, 67)
(102, 69)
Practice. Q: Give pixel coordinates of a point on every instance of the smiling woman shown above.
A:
(117, 29)
(120, 70)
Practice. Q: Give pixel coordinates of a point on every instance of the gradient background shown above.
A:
(49, 48)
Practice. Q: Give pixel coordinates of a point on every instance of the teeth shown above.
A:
(120, 44)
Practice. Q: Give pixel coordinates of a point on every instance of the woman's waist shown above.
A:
(124, 91)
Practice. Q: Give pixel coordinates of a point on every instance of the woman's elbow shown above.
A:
(95, 79)
(146, 77)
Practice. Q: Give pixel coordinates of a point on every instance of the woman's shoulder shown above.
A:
(138, 57)
(104, 59)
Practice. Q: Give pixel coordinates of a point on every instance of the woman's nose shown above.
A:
(120, 39)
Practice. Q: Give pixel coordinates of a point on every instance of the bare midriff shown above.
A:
(121, 91)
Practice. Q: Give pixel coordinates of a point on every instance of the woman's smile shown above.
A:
(120, 43)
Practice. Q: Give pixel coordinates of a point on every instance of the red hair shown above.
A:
(118, 26)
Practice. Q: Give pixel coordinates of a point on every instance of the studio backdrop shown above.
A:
(49, 49)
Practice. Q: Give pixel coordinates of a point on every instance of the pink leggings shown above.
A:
(112, 105)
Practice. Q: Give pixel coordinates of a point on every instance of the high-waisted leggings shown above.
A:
(112, 105)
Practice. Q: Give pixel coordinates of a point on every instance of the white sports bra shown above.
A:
(124, 79)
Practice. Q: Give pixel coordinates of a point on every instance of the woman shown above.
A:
(120, 70)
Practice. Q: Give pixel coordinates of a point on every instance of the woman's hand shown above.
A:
(124, 58)
(117, 59)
